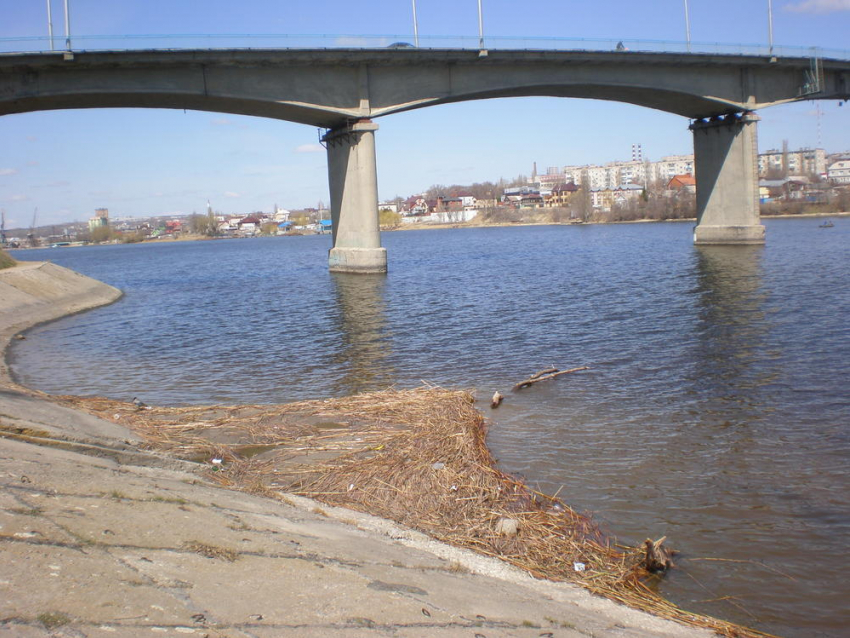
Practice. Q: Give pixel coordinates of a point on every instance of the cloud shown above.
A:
(8, 171)
(221, 121)
(818, 6)
(32, 163)
(20, 198)
(309, 148)
(231, 194)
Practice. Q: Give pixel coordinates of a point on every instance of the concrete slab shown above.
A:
(158, 551)
(31, 412)
(83, 584)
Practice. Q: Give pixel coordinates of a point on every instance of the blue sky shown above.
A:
(149, 162)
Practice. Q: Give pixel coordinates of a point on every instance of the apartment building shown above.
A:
(806, 161)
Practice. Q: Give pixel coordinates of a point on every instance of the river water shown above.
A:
(716, 410)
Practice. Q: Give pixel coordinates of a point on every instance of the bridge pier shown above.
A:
(353, 177)
(726, 162)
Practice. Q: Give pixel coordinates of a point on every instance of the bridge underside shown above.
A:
(342, 90)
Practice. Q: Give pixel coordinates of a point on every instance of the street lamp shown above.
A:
(770, 25)
(480, 28)
(415, 27)
(67, 27)
(687, 27)
(50, 25)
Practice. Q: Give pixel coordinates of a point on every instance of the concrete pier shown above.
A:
(726, 162)
(353, 177)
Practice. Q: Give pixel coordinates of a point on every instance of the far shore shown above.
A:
(453, 225)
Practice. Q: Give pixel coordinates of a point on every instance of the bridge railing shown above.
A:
(79, 43)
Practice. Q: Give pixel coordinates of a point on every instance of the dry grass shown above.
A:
(211, 551)
(6, 260)
(417, 457)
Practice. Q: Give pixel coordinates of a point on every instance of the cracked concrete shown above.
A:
(100, 539)
(122, 550)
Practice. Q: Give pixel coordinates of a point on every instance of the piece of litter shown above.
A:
(116, 416)
(439, 465)
(216, 461)
(351, 487)
(579, 567)
(507, 527)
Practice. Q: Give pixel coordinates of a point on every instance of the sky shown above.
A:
(143, 162)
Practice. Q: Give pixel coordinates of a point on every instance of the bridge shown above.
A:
(344, 90)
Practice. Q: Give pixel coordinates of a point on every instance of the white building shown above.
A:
(839, 172)
(636, 172)
(281, 214)
(806, 161)
(611, 175)
(452, 216)
(667, 167)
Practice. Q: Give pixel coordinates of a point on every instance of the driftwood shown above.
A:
(545, 375)
(658, 558)
(496, 401)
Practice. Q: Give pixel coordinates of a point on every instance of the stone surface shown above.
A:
(123, 550)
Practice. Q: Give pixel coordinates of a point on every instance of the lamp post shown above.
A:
(67, 27)
(415, 27)
(50, 25)
(480, 27)
(770, 25)
(687, 27)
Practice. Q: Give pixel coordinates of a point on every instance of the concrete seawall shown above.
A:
(35, 292)
(101, 538)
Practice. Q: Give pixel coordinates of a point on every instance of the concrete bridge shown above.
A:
(344, 90)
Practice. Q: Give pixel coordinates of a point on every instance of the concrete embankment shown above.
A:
(36, 292)
(99, 538)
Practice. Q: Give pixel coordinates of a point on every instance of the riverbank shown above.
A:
(479, 224)
(112, 536)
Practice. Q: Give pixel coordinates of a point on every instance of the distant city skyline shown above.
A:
(140, 162)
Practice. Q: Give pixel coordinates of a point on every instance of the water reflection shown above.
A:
(732, 359)
(363, 332)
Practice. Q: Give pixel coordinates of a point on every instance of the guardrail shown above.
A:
(41, 44)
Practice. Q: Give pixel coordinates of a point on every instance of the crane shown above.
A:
(32, 240)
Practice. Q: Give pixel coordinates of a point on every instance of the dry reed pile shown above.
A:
(417, 457)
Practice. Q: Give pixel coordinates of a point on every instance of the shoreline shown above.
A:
(46, 292)
(457, 225)
(473, 224)
(37, 292)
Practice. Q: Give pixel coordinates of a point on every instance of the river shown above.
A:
(715, 410)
